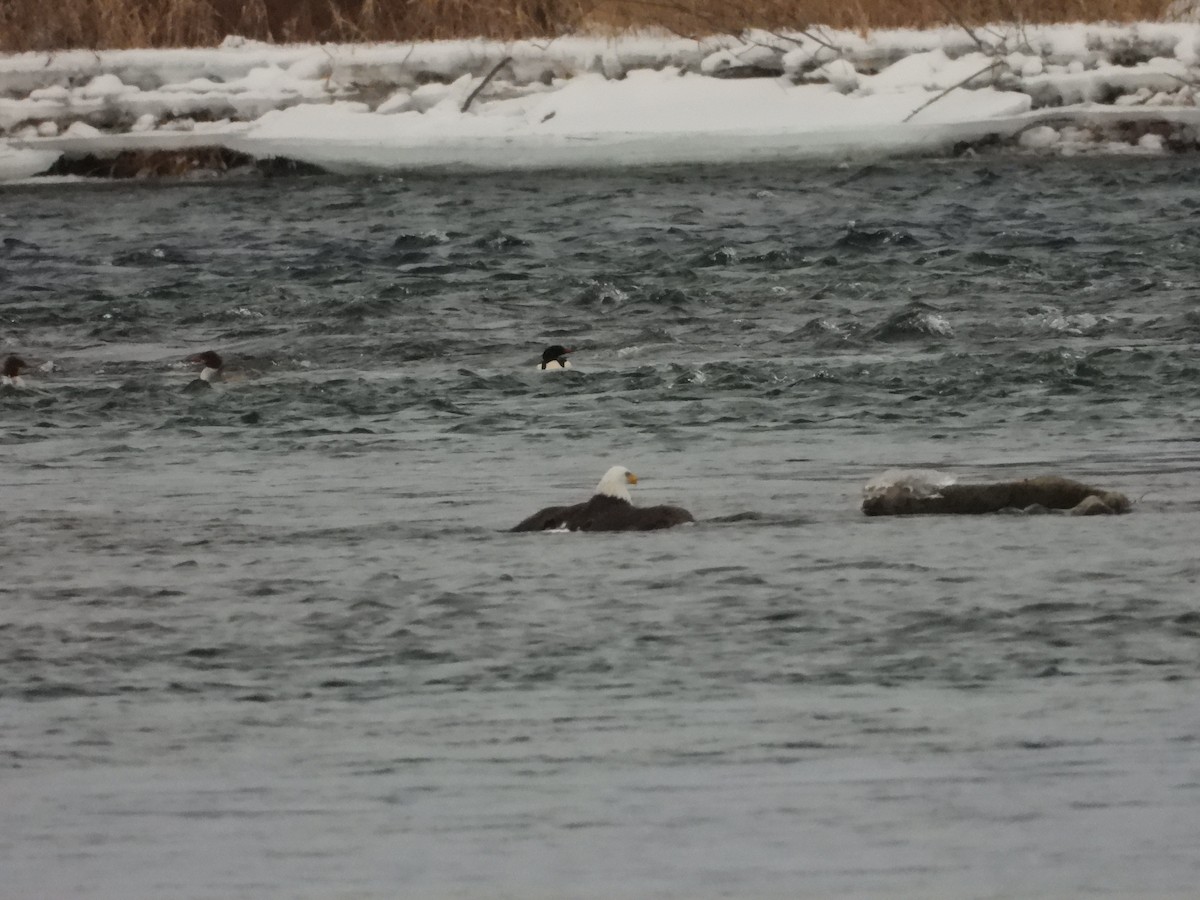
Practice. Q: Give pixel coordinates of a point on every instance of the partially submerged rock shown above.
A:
(1046, 493)
(178, 163)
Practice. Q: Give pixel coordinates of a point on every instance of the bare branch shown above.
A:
(808, 34)
(486, 78)
(957, 19)
(932, 100)
(1185, 81)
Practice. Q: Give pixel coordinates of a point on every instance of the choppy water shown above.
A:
(274, 642)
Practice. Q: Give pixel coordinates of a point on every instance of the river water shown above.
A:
(275, 642)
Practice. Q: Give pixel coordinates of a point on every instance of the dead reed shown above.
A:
(107, 24)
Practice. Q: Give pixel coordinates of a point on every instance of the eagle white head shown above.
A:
(614, 482)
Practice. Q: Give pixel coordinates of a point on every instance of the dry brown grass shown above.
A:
(105, 24)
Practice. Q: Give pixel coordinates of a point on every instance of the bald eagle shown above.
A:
(211, 371)
(610, 509)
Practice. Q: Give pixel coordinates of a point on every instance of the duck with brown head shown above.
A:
(211, 371)
(14, 368)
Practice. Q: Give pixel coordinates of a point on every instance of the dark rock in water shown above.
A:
(184, 162)
(281, 166)
(749, 72)
(1030, 495)
(1094, 505)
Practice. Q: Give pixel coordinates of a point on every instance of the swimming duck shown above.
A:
(554, 358)
(211, 371)
(14, 366)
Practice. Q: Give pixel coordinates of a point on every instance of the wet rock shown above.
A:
(1031, 495)
(182, 163)
(748, 72)
(1092, 506)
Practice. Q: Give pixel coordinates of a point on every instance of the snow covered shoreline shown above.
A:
(631, 100)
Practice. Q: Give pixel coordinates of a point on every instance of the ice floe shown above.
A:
(629, 100)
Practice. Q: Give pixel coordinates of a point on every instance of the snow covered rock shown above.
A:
(625, 100)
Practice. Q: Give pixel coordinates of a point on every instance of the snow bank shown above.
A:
(636, 99)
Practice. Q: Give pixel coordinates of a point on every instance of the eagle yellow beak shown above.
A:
(630, 478)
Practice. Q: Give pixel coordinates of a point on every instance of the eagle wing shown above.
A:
(652, 517)
(605, 514)
(549, 518)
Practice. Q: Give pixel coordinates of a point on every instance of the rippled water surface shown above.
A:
(274, 641)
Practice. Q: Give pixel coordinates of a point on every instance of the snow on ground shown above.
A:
(636, 99)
